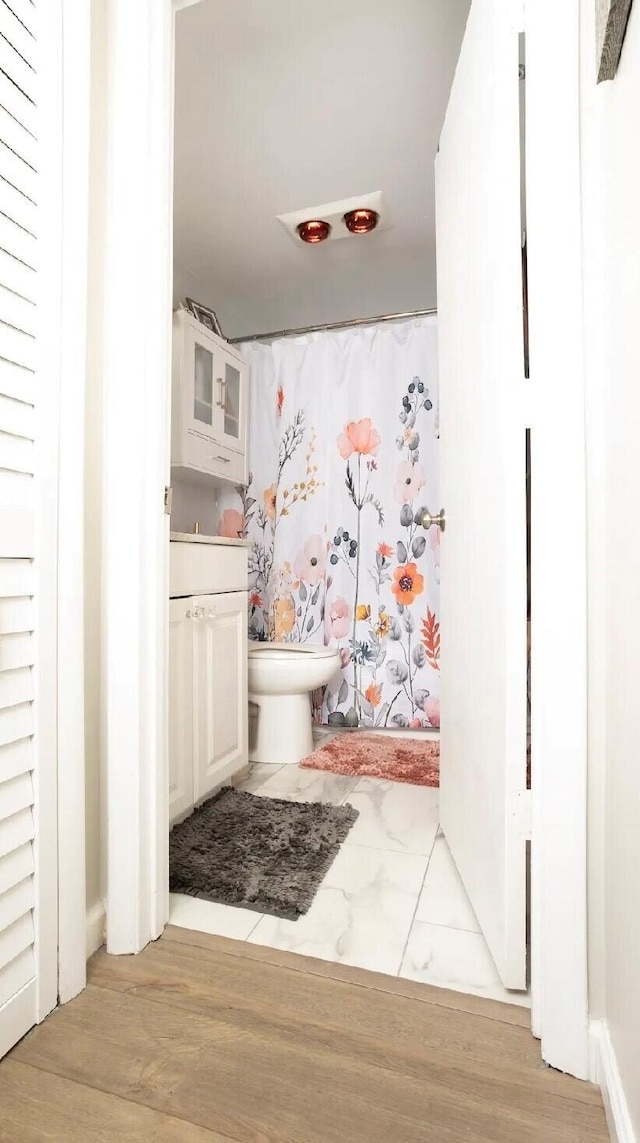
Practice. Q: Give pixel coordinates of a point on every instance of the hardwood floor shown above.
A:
(200, 1038)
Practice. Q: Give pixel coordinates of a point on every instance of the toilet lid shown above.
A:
(276, 650)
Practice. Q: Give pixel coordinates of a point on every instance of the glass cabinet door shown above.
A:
(202, 385)
(231, 402)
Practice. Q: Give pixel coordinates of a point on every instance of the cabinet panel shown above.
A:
(181, 784)
(220, 689)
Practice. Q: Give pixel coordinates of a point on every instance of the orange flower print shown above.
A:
(231, 524)
(255, 599)
(269, 498)
(360, 437)
(407, 584)
(285, 617)
(373, 694)
(385, 550)
(280, 400)
(383, 626)
(363, 611)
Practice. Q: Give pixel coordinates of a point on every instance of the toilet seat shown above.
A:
(281, 651)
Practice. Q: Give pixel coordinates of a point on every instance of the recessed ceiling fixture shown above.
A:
(361, 220)
(314, 230)
(343, 220)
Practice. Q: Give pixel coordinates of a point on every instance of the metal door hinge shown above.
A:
(168, 499)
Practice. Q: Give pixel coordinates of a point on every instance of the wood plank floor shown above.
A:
(200, 1039)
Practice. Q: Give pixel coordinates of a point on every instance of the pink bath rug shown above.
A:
(379, 755)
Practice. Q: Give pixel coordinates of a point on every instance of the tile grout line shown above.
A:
(261, 917)
(413, 918)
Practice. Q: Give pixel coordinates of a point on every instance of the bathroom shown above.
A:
(305, 553)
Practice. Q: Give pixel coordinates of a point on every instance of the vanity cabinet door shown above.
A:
(220, 689)
(181, 784)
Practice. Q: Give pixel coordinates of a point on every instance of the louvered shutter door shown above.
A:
(20, 816)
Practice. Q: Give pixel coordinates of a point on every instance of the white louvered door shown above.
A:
(29, 386)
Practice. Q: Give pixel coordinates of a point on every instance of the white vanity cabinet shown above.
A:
(220, 746)
(181, 719)
(210, 396)
(208, 700)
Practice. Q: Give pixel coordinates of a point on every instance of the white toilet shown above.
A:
(281, 678)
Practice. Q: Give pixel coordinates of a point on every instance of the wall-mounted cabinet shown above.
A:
(210, 388)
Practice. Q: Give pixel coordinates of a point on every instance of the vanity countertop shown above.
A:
(198, 538)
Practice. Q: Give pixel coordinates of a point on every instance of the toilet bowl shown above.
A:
(281, 678)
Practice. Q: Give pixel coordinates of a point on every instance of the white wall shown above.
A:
(611, 220)
(187, 285)
(193, 503)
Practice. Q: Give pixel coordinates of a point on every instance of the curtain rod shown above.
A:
(330, 325)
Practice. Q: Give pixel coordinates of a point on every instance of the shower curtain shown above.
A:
(343, 450)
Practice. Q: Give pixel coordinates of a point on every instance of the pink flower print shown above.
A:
(231, 524)
(360, 437)
(345, 657)
(409, 481)
(432, 711)
(337, 618)
(310, 563)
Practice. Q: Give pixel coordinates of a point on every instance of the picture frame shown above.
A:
(205, 316)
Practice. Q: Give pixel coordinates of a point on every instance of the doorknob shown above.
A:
(427, 519)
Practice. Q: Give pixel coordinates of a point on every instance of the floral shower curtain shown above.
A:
(343, 448)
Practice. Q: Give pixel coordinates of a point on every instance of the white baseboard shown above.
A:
(96, 920)
(605, 1073)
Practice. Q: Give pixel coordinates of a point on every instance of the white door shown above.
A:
(28, 513)
(219, 688)
(482, 440)
(181, 791)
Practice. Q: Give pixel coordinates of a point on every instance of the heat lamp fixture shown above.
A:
(361, 220)
(358, 221)
(333, 221)
(315, 230)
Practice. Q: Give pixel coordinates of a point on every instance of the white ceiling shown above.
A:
(283, 104)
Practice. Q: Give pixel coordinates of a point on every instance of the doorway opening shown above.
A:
(336, 473)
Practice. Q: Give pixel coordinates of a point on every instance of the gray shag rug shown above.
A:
(265, 854)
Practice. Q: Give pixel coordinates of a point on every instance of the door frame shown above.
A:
(137, 403)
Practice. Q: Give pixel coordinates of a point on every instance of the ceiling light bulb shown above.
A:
(315, 230)
(361, 220)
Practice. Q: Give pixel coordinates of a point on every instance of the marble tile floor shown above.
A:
(392, 901)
